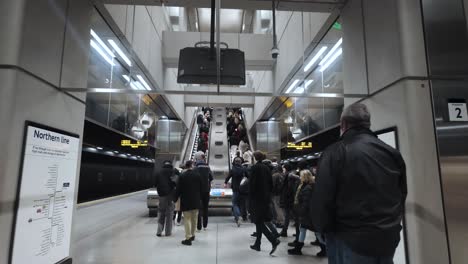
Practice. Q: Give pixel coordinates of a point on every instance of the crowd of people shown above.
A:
(204, 123)
(352, 199)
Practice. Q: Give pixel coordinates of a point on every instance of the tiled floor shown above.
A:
(120, 231)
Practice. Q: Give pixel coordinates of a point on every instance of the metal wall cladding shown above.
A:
(269, 137)
(453, 150)
(169, 135)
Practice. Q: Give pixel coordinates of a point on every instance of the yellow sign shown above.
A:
(300, 146)
(128, 143)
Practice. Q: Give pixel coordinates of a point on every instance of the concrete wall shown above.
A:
(38, 64)
(394, 45)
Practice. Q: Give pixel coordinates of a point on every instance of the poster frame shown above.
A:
(27, 124)
(405, 231)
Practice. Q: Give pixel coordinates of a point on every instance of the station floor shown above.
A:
(120, 232)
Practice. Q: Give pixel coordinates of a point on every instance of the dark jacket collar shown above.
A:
(355, 131)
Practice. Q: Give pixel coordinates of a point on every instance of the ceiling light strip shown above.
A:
(332, 51)
(101, 52)
(331, 60)
(315, 59)
(103, 45)
(120, 52)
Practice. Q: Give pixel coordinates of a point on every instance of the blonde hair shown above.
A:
(306, 176)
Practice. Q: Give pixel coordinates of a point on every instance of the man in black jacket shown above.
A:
(202, 169)
(189, 187)
(165, 186)
(360, 192)
(237, 173)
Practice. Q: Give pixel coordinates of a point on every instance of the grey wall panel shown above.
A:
(383, 43)
(268, 137)
(28, 99)
(11, 15)
(42, 38)
(354, 53)
(407, 106)
(76, 46)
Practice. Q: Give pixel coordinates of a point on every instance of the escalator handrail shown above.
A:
(183, 158)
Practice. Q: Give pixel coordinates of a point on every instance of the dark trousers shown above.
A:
(261, 228)
(287, 218)
(203, 215)
(244, 205)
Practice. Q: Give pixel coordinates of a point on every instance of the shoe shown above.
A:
(255, 247)
(238, 223)
(274, 246)
(323, 251)
(297, 250)
(293, 244)
(204, 229)
(192, 238)
(187, 242)
(284, 234)
(158, 235)
(277, 235)
(254, 234)
(315, 243)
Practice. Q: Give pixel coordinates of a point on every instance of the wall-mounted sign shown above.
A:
(457, 110)
(299, 146)
(136, 144)
(45, 200)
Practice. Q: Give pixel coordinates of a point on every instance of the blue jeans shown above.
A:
(302, 234)
(339, 253)
(236, 205)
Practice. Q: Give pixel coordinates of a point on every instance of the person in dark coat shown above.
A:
(302, 200)
(260, 200)
(290, 184)
(236, 175)
(360, 192)
(189, 189)
(206, 176)
(165, 185)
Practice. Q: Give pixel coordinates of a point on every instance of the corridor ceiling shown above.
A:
(289, 5)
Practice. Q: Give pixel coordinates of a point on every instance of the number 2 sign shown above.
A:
(458, 111)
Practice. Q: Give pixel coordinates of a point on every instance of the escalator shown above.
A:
(218, 159)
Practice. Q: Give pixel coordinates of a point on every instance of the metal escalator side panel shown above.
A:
(218, 147)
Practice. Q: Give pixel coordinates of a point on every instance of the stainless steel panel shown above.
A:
(446, 37)
(169, 136)
(163, 130)
(269, 137)
(453, 150)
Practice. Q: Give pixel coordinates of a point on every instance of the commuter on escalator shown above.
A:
(204, 171)
(165, 185)
(236, 175)
(260, 186)
(189, 189)
(360, 192)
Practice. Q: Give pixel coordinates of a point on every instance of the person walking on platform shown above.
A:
(302, 200)
(291, 182)
(189, 189)
(359, 195)
(165, 185)
(236, 175)
(206, 177)
(260, 198)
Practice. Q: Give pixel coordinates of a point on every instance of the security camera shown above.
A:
(274, 53)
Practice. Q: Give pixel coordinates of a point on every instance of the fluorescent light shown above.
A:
(332, 51)
(102, 90)
(292, 86)
(308, 82)
(331, 60)
(328, 95)
(144, 82)
(299, 90)
(99, 148)
(139, 86)
(99, 40)
(120, 52)
(101, 52)
(132, 84)
(243, 27)
(315, 59)
(196, 25)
